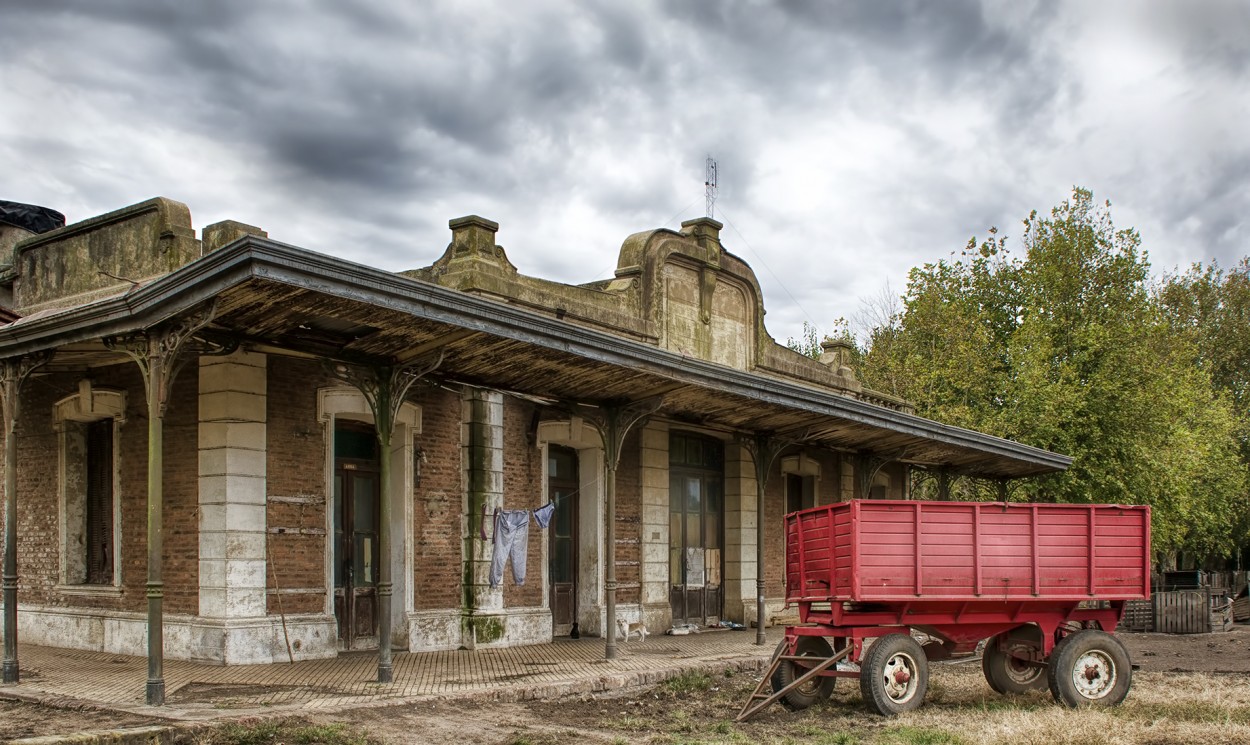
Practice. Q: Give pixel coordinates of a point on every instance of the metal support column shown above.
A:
(614, 422)
(385, 387)
(764, 449)
(13, 372)
(157, 352)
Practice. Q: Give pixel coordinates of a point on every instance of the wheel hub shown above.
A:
(1094, 674)
(898, 675)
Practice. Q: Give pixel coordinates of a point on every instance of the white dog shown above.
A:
(629, 628)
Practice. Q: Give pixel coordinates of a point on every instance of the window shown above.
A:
(98, 533)
(801, 473)
(880, 486)
(800, 492)
(88, 422)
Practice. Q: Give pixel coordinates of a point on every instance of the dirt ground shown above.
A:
(1186, 689)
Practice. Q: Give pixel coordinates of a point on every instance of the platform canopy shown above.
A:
(281, 299)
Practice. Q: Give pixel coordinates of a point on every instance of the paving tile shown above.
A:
(198, 691)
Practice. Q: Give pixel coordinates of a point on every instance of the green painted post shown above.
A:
(609, 569)
(383, 420)
(11, 669)
(156, 502)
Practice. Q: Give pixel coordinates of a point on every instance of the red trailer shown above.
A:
(1045, 584)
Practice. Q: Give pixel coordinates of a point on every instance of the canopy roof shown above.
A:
(279, 298)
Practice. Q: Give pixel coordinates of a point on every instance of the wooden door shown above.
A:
(356, 506)
(562, 489)
(696, 529)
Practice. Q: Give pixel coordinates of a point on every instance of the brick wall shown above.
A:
(38, 476)
(629, 520)
(438, 503)
(295, 486)
(774, 535)
(523, 490)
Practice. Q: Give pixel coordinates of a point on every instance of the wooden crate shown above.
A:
(1139, 615)
(1183, 612)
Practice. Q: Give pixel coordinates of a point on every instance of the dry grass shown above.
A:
(1160, 709)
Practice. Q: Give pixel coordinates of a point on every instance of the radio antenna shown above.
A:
(709, 184)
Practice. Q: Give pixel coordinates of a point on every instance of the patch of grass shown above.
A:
(1195, 712)
(681, 722)
(629, 723)
(260, 733)
(816, 734)
(330, 734)
(279, 732)
(906, 735)
(687, 683)
(544, 739)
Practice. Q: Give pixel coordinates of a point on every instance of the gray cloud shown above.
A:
(856, 139)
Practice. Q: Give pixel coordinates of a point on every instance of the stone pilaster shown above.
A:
(740, 533)
(482, 441)
(655, 517)
(232, 445)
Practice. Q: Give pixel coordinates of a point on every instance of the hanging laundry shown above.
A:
(542, 515)
(511, 542)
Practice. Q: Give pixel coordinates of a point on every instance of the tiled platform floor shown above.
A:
(198, 692)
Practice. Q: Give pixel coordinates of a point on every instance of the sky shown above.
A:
(855, 140)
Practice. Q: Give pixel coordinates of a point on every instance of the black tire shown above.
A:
(1089, 668)
(813, 691)
(1008, 674)
(894, 675)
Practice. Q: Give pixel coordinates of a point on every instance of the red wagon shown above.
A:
(1046, 584)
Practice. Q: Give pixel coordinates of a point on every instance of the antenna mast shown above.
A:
(709, 184)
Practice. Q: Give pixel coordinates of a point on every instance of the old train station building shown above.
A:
(228, 449)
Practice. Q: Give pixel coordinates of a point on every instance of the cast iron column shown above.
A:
(156, 351)
(385, 387)
(12, 375)
(764, 449)
(613, 422)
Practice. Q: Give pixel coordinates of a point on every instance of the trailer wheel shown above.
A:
(894, 675)
(1008, 674)
(1089, 668)
(813, 691)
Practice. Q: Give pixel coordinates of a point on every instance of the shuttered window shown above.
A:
(99, 532)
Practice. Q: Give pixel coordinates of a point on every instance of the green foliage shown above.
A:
(810, 340)
(1068, 349)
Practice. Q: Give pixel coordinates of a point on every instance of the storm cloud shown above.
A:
(855, 140)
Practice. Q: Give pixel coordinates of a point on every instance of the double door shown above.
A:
(696, 529)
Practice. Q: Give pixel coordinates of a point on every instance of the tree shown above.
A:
(808, 344)
(1068, 349)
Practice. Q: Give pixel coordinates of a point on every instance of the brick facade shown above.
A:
(248, 541)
